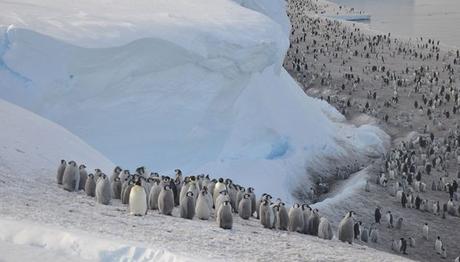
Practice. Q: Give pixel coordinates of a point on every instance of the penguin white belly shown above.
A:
(138, 201)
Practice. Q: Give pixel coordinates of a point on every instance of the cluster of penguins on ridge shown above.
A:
(198, 196)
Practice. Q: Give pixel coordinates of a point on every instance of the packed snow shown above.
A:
(196, 85)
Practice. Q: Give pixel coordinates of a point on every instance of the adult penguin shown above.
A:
(166, 201)
(71, 178)
(295, 219)
(364, 235)
(399, 223)
(154, 194)
(313, 223)
(138, 199)
(411, 242)
(116, 188)
(266, 214)
(187, 206)
(83, 177)
(224, 216)
(244, 207)
(325, 229)
(356, 229)
(377, 215)
(60, 171)
(438, 245)
(203, 207)
(283, 217)
(345, 230)
(90, 186)
(103, 190)
(253, 200)
(116, 173)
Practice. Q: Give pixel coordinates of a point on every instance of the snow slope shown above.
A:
(196, 85)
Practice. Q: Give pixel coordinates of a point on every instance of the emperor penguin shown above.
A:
(211, 187)
(295, 219)
(266, 214)
(116, 173)
(239, 196)
(283, 217)
(411, 242)
(153, 195)
(224, 216)
(116, 188)
(313, 223)
(138, 199)
(126, 191)
(438, 245)
(223, 196)
(425, 231)
(306, 212)
(97, 174)
(187, 206)
(60, 171)
(264, 196)
(367, 187)
(123, 176)
(71, 178)
(244, 207)
(103, 190)
(90, 186)
(219, 187)
(166, 201)
(345, 230)
(208, 197)
(325, 229)
(184, 188)
(203, 207)
(399, 223)
(375, 235)
(194, 188)
(253, 200)
(83, 177)
(364, 235)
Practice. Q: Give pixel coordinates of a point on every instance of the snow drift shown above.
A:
(196, 85)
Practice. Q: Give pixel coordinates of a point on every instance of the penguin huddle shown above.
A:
(196, 197)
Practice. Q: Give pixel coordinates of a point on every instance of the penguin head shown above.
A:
(91, 175)
(223, 192)
(192, 178)
(117, 179)
(97, 170)
(117, 169)
(246, 196)
(226, 203)
(166, 179)
(204, 192)
(214, 180)
(296, 205)
(250, 190)
(207, 176)
(178, 172)
(63, 161)
(167, 188)
(103, 176)
(140, 170)
(189, 194)
(82, 167)
(73, 163)
(265, 202)
(138, 182)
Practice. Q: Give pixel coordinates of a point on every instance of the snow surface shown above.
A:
(196, 85)
(39, 221)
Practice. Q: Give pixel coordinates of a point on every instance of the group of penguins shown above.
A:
(197, 197)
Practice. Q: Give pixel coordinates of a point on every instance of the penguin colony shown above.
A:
(196, 197)
(407, 86)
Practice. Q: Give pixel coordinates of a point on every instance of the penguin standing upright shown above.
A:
(103, 190)
(223, 196)
(399, 223)
(203, 207)
(364, 235)
(126, 190)
(345, 230)
(166, 201)
(187, 206)
(83, 177)
(295, 219)
(153, 195)
(116, 188)
(219, 187)
(375, 235)
(283, 217)
(224, 216)
(313, 223)
(71, 178)
(438, 245)
(425, 231)
(90, 186)
(253, 200)
(325, 229)
(60, 171)
(266, 214)
(244, 207)
(138, 199)
(115, 174)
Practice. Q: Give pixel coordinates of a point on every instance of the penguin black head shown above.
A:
(126, 172)
(82, 167)
(62, 161)
(73, 163)
(138, 182)
(103, 176)
(207, 176)
(204, 192)
(192, 178)
(91, 175)
(189, 194)
(250, 190)
(178, 172)
(214, 180)
(246, 196)
(117, 169)
(117, 179)
(154, 174)
(167, 188)
(97, 170)
(221, 180)
(226, 203)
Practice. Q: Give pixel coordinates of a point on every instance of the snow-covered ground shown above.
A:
(196, 85)
(39, 221)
